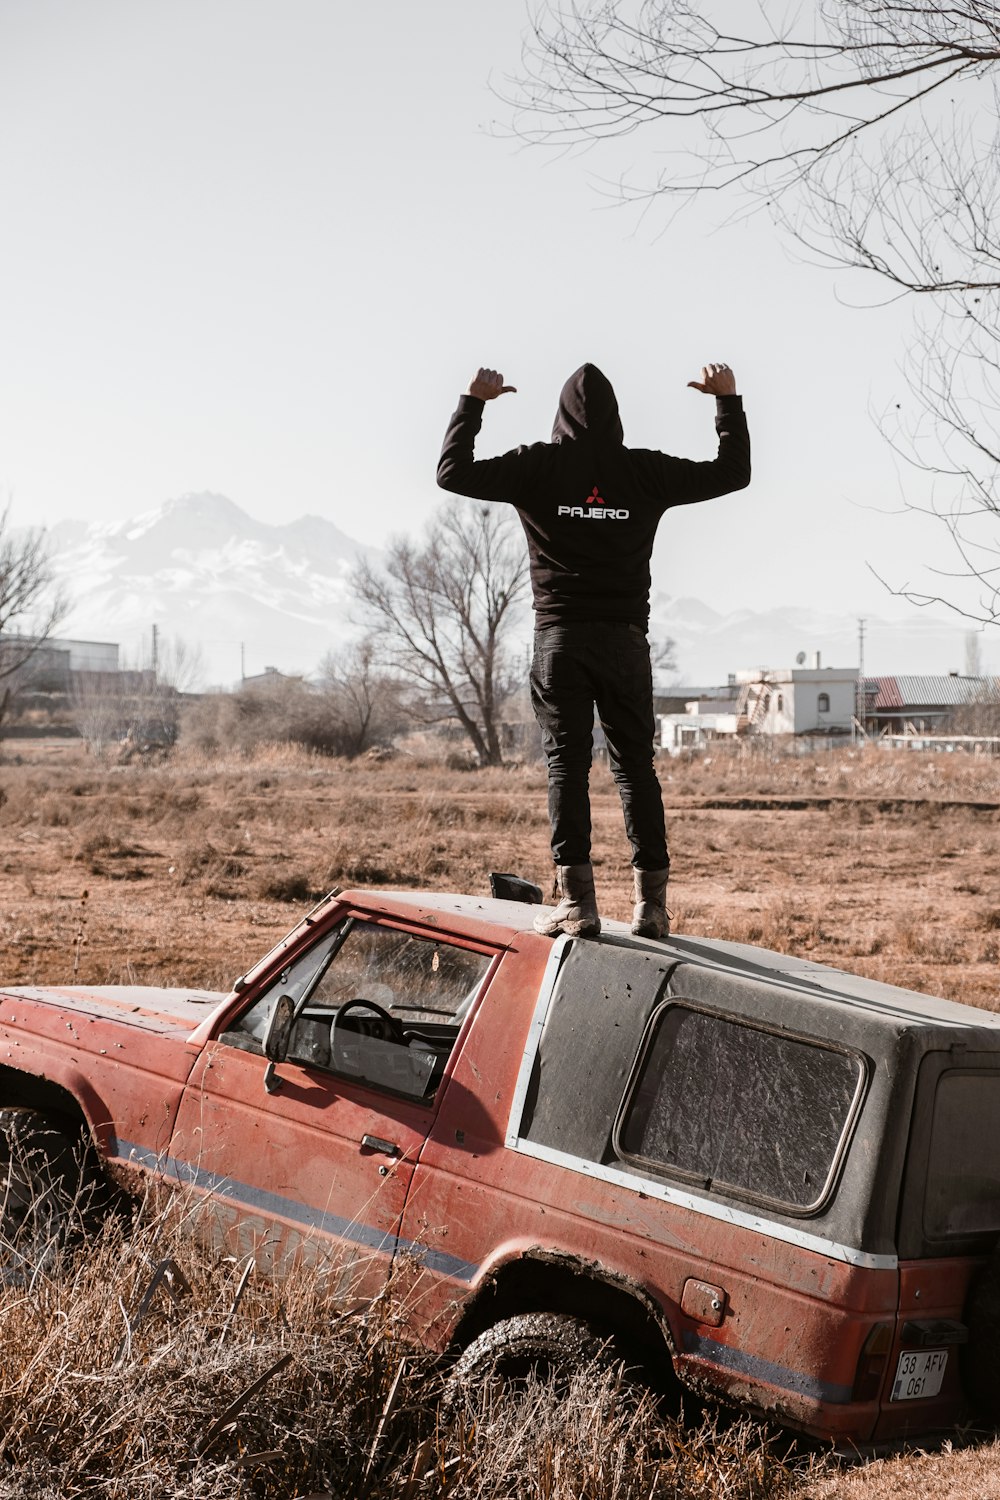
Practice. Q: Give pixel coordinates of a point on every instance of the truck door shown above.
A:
(316, 1160)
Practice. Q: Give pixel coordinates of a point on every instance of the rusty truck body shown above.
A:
(774, 1181)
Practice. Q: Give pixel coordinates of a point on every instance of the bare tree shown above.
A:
(952, 440)
(663, 656)
(361, 696)
(443, 611)
(97, 711)
(30, 606)
(833, 97)
(869, 130)
(136, 707)
(980, 715)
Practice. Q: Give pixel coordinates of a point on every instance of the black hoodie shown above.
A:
(589, 505)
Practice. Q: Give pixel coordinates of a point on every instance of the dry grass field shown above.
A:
(185, 873)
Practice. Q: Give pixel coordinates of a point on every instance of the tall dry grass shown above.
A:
(145, 1368)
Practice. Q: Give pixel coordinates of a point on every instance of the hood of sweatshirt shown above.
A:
(588, 410)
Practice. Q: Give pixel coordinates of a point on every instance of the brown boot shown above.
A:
(651, 918)
(576, 914)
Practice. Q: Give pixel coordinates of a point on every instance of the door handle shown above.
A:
(376, 1143)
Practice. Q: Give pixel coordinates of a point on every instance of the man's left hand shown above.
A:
(716, 380)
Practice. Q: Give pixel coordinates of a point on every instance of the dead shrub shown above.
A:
(460, 760)
(283, 712)
(362, 870)
(53, 812)
(103, 851)
(184, 800)
(203, 862)
(293, 885)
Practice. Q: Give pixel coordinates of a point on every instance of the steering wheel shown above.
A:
(386, 1028)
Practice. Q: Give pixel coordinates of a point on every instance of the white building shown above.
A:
(812, 699)
(802, 700)
(87, 656)
(72, 656)
(702, 721)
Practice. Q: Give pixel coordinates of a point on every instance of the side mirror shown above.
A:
(514, 888)
(277, 1038)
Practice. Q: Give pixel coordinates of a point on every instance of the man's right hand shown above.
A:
(716, 380)
(488, 384)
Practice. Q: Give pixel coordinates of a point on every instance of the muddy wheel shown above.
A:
(550, 1347)
(980, 1366)
(46, 1193)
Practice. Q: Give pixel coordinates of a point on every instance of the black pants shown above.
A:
(575, 667)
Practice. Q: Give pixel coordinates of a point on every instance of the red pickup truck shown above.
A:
(762, 1178)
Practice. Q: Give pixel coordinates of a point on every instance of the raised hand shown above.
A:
(716, 380)
(488, 384)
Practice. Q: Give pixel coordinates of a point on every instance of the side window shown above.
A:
(750, 1112)
(374, 1004)
(823, 703)
(963, 1180)
(249, 1030)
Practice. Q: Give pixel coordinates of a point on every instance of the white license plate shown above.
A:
(919, 1375)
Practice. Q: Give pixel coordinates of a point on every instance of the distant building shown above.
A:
(923, 705)
(54, 665)
(813, 700)
(810, 700)
(269, 678)
(674, 700)
(697, 726)
(87, 656)
(822, 704)
(57, 665)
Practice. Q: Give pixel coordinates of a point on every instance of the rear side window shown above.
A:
(749, 1112)
(963, 1171)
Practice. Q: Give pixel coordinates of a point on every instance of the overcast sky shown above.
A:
(259, 247)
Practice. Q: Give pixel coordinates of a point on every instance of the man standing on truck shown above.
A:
(590, 508)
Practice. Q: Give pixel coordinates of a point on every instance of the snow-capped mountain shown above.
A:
(710, 645)
(200, 568)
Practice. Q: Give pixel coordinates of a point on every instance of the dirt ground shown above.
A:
(187, 872)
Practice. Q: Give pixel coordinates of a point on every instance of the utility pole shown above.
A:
(862, 703)
(973, 663)
(243, 661)
(155, 652)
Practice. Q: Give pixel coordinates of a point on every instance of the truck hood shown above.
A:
(144, 1006)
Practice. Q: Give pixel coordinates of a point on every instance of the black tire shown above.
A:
(979, 1363)
(46, 1193)
(550, 1347)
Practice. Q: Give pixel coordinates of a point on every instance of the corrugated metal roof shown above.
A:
(881, 693)
(928, 692)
